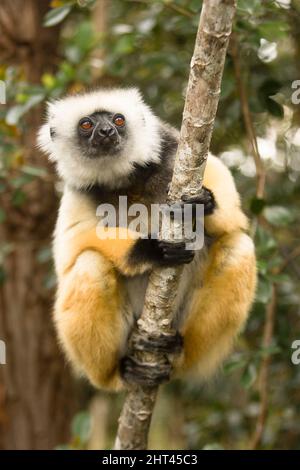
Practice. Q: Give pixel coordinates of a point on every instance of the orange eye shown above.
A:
(119, 120)
(86, 124)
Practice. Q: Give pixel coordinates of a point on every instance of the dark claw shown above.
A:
(145, 375)
(206, 197)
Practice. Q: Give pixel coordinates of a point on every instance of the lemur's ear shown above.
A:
(46, 132)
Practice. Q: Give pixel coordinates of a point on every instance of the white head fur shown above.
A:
(142, 145)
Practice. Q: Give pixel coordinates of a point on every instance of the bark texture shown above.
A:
(37, 397)
(198, 119)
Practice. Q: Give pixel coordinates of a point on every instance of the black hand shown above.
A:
(206, 197)
(160, 253)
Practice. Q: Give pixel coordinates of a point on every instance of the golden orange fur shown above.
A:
(92, 316)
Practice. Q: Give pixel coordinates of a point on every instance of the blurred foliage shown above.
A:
(149, 44)
(80, 432)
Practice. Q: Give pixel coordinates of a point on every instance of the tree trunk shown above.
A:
(198, 119)
(36, 391)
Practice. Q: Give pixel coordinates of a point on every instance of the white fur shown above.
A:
(142, 145)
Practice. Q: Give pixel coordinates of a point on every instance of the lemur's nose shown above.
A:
(106, 131)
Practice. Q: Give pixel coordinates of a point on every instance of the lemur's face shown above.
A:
(101, 134)
(100, 137)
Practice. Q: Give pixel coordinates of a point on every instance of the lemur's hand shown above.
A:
(160, 252)
(148, 375)
(206, 197)
(171, 253)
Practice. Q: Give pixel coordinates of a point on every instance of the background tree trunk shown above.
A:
(36, 391)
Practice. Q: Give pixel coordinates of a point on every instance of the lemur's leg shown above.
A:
(91, 324)
(219, 308)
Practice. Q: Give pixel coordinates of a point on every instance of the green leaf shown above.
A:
(249, 7)
(262, 266)
(265, 243)
(272, 30)
(18, 197)
(21, 180)
(85, 3)
(56, 15)
(81, 426)
(125, 45)
(234, 365)
(194, 5)
(279, 278)
(265, 352)
(249, 376)
(44, 255)
(264, 291)
(50, 281)
(278, 215)
(34, 171)
(16, 112)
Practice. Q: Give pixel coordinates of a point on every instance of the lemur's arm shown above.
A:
(133, 255)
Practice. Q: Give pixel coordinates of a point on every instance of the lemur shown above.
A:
(105, 144)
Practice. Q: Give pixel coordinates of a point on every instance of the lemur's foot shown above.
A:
(206, 197)
(146, 375)
(164, 343)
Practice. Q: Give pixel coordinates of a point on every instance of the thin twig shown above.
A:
(179, 9)
(260, 169)
(171, 6)
(265, 365)
(264, 371)
(290, 257)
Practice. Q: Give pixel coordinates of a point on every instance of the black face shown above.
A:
(101, 133)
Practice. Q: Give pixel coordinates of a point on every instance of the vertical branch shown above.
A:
(198, 119)
(99, 16)
(264, 371)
